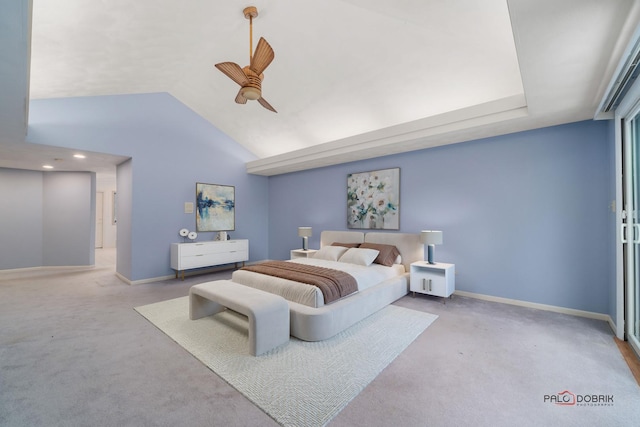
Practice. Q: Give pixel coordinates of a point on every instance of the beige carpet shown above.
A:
(300, 383)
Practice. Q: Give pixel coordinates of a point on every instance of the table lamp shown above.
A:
(305, 233)
(431, 238)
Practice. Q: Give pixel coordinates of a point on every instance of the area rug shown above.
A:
(300, 383)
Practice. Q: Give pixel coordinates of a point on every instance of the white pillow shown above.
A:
(330, 253)
(359, 256)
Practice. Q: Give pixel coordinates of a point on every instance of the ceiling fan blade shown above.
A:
(266, 105)
(262, 57)
(233, 71)
(239, 98)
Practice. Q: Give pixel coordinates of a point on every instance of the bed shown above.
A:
(313, 319)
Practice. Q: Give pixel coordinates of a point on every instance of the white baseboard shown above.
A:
(554, 308)
(124, 279)
(143, 281)
(19, 270)
(612, 325)
(187, 274)
(46, 267)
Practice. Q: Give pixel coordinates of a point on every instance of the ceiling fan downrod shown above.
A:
(250, 12)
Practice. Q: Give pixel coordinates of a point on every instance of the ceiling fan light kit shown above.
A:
(251, 93)
(250, 77)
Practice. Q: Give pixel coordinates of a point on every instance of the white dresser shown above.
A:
(185, 256)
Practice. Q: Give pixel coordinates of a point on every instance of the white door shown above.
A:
(631, 226)
(99, 218)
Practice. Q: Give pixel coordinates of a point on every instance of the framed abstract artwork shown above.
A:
(216, 207)
(373, 199)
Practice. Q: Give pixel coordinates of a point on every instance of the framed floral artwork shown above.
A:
(216, 208)
(373, 199)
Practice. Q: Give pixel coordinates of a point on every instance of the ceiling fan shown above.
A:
(250, 77)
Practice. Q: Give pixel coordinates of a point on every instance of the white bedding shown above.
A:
(310, 295)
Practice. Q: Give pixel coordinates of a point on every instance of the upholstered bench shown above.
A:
(268, 313)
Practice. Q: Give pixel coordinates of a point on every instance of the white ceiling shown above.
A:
(351, 79)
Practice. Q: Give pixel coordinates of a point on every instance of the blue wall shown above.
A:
(69, 225)
(611, 258)
(48, 218)
(171, 148)
(525, 216)
(124, 213)
(21, 213)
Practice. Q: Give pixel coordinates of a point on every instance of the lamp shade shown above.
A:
(304, 231)
(431, 237)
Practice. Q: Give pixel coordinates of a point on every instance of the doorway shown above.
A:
(106, 229)
(99, 219)
(630, 228)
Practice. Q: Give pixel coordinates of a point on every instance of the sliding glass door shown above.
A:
(631, 225)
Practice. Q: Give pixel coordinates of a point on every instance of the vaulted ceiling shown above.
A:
(351, 79)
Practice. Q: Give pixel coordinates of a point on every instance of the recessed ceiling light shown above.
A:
(47, 166)
(79, 156)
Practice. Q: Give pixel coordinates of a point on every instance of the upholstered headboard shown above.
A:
(409, 245)
(328, 237)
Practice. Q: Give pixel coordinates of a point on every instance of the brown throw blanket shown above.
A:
(333, 284)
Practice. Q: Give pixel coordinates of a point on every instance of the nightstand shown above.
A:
(301, 253)
(432, 279)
